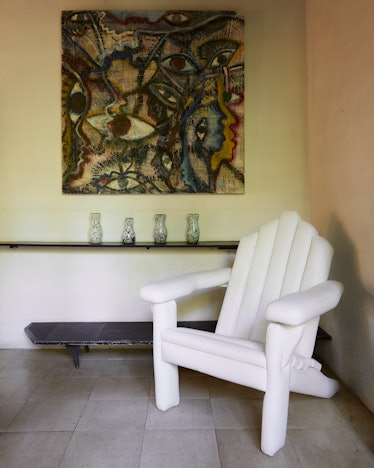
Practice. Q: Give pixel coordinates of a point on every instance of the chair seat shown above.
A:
(238, 349)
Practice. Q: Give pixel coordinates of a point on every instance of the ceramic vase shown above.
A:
(160, 232)
(193, 230)
(128, 235)
(95, 233)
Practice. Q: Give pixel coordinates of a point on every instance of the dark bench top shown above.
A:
(100, 333)
(90, 333)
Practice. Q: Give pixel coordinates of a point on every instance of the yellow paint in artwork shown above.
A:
(229, 143)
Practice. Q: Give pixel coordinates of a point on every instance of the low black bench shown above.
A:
(76, 334)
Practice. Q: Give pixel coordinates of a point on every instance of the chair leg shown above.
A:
(166, 385)
(166, 374)
(280, 343)
(275, 413)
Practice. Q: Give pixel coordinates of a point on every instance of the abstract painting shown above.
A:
(152, 102)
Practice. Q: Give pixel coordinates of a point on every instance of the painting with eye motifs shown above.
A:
(152, 102)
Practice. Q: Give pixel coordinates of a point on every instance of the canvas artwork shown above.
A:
(152, 102)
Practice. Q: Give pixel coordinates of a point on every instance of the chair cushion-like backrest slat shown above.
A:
(317, 267)
(283, 244)
(244, 315)
(316, 271)
(298, 257)
(256, 279)
(238, 284)
(286, 256)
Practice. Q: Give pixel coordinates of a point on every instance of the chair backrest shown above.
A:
(285, 256)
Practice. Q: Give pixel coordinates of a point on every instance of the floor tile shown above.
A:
(232, 413)
(17, 388)
(93, 353)
(221, 388)
(8, 411)
(330, 447)
(112, 449)
(33, 449)
(33, 368)
(101, 368)
(7, 355)
(314, 412)
(189, 414)
(100, 416)
(355, 411)
(367, 436)
(122, 388)
(193, 386)
(47, 416)
(89, 370)
(180, 449)
(63, 389)
(50, 353)
(132, 353)
(240, 448)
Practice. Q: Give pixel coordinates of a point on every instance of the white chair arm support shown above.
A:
(173, 288)
(298, 308)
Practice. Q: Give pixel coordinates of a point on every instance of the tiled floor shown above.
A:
(104, 415)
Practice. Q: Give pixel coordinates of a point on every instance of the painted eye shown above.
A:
(130, 128)
(180, 63)
(166, 94)
(201, 129)
(77, 103)
(177, 17)
(121, 126)
(222, 58)
(124, 182)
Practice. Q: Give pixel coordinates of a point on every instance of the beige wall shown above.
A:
(54, 285)
(340, 48)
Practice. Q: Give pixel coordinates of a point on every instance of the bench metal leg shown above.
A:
(74, 349)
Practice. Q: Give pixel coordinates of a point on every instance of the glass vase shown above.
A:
(128, 235)
(95, 233)
(193, 230)
(160, 232)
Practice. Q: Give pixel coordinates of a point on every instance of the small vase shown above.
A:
(193, 230)
(128, 235)
(95, 234)
(160, 232)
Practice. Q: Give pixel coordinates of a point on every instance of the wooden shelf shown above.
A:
(137, 245)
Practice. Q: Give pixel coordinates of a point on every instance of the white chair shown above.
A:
(276, 291)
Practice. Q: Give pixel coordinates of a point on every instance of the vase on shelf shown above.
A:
(128, 235)
(193, 230)
(95, 233)
(160, 232)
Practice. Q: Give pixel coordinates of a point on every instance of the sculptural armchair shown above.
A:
(276, 291)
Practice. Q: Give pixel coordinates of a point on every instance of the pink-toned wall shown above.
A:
(340, 70)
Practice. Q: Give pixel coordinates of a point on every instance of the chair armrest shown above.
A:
(297, 308)
(180, 286)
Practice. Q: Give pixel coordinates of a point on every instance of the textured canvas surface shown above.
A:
(152, 102)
